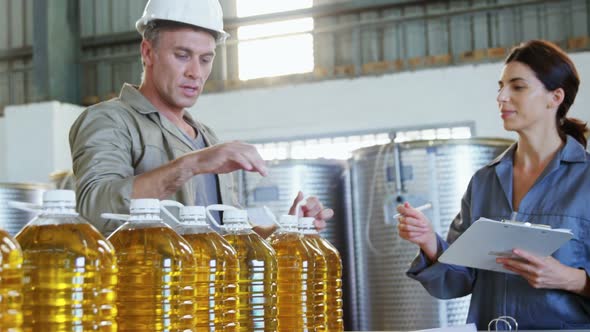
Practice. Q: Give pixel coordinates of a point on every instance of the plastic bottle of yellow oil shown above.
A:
(257, 283)
(70, 270)
(11, 284)
(156, 272)
(216, 272)
(334, 321)
(297, 261)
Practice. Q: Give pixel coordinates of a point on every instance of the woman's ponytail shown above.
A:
(575, 128)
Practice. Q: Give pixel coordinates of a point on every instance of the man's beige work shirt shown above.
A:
(114, 141)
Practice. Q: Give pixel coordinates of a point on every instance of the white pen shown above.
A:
(419, 208)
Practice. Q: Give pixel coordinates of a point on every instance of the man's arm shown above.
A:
(219, 159)
(102, 148)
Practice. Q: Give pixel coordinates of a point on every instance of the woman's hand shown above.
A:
(312, 208)
(413, 226)
(546, 272)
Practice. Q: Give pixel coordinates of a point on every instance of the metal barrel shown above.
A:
(12, 220)
(419, 172)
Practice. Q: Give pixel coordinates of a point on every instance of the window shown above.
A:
(341, 147)
(433, 133)
(277, 48)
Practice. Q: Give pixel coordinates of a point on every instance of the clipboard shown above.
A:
(487, 239)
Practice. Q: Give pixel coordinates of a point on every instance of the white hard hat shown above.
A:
(205, 14)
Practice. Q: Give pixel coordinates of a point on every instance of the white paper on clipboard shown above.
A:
(487, 239)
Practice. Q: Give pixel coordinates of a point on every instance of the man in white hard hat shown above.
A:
(144, 144)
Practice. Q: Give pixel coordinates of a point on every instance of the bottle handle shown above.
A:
(262, 216)
(217, 207)
(271, 216)
(115, 216)
(163, 207)
(24, 206)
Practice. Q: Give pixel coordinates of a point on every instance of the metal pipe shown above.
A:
(16, 53)
(397, 165)
(334, 9)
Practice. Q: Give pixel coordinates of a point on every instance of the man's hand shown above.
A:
(312, 208)
(165, 180)
(226, 158)
(546, 272)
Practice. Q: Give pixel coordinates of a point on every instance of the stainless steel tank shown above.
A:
(325, 179)
(12, 220)
(424, 171)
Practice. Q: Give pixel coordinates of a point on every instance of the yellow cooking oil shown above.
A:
(216, 272)
(70, 270)
(295, 284)
(11, 283)
(333, 310)
(257, 283)
(156, 273)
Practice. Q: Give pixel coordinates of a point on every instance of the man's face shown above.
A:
(180, 64)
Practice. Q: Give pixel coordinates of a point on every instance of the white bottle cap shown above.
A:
(62, 198)
(193, 213)
(307, 223)
(235, 216)
(288, 220)
(144, 205)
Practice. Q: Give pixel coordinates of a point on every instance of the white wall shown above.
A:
(408, 99)
(37, 140)
(64, 117)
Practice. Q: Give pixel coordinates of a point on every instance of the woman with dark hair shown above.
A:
(543, 178)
